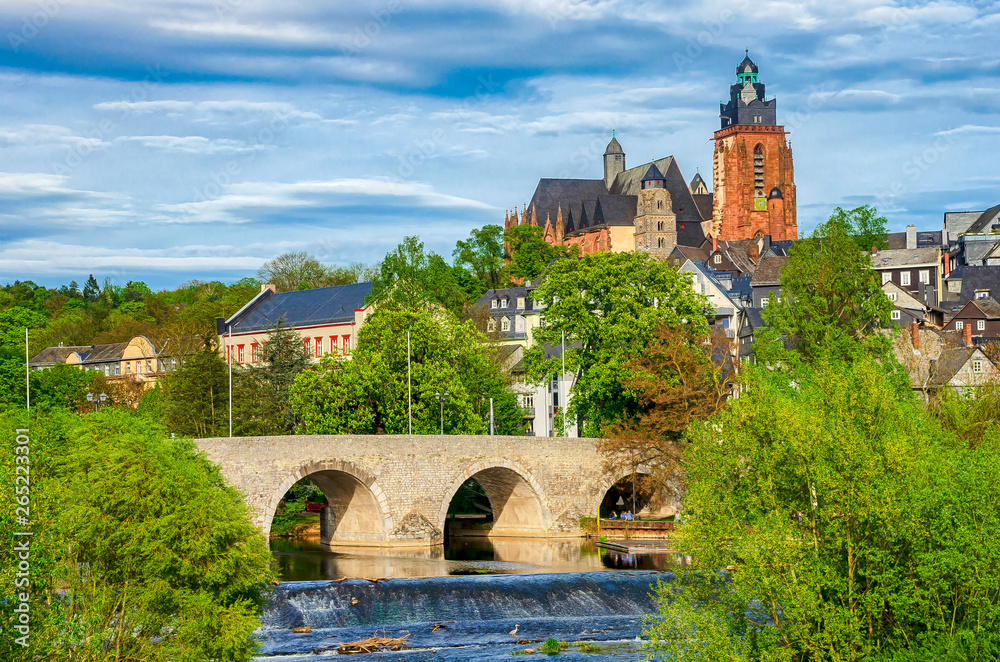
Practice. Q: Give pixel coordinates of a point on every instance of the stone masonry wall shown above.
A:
(413, 478)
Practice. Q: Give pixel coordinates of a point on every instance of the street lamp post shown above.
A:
(442, 398)
(97, 400)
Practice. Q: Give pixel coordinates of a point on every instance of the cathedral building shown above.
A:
(753, 180)
(651, 208)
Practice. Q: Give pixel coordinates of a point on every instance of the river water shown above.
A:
(461, 601)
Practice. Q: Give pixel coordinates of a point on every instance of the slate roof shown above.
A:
(949, 362)
(768, 271)
(989, 306)
(692, 252)
(741, 288)
(616, 209)
(652, 174)
(104, 353)
(689, 218)
(984, 223)
(977, 278)
(897, 240)
(569, 193)
(703, 201)
(891, 259)
(697, 181)
(322, 305)
(614, 147)
(52, 355)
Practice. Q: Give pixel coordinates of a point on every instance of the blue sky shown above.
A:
(173, 140)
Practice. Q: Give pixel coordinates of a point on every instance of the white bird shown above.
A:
(513, 632)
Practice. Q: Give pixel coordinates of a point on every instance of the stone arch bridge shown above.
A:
(395, 490)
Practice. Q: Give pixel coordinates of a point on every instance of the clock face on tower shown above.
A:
(760, 204)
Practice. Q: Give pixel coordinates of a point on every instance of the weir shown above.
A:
(387, 490)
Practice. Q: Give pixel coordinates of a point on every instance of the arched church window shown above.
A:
(659, 226)
(659, 242)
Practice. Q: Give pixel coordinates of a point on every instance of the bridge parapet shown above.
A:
(395, 490)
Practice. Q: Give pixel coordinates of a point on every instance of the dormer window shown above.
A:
(503, 303)
(493, 304)
(520, 302)
(717, 259)
(982, 294)
(491, 326)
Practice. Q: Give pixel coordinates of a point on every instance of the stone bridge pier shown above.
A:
(395, 490)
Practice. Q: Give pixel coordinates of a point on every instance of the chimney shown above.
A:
(947, 264)
(915, 335)
(967, 334)
(874, 250)
(269, 286)
(911, 237)
(715, 244)
(754, 252)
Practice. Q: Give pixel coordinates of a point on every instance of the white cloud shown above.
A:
(193, 144)
(970, 128)
(242, 202)
(39, 135)
(277, 109)
(292, 33)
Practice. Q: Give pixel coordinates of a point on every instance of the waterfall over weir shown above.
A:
(474, 613)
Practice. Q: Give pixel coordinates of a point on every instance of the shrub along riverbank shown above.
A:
(139, 550)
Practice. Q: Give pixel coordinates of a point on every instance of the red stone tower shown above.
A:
(754, 183)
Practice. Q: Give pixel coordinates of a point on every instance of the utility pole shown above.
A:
(229, 355)
(563, 396)
(27, 373)
(491, 417)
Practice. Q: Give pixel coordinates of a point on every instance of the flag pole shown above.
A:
(563, 396)
(27, 373)
(229, 356)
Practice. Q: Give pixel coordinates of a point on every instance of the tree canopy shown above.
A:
(608, 305)
(296, 271)
(367, 393)
(482, 254)
(529, 253)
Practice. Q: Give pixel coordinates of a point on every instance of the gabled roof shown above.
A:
(53, 355)
(616, 209)
(985, 222)
(897, 240)
(322, 305)
(570, 223)
(768, 271)
(704, 203)
(949, 362)
(697, 182)
(614, 147)
(652, 174)
(903, 257)
(989, 306)
(977, 278)
(689, 218)
(550, 194)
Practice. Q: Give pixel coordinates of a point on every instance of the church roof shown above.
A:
(689, 217)
(550, 194)
(617, 209)
(653, 174)
(775, 192)
(614, 147)
(697, 182)
(704, 203)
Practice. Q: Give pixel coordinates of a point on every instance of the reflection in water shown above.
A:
(305, 560)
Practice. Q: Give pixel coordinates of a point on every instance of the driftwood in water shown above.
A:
(373, 644)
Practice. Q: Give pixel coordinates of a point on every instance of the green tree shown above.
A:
(196, 396)
(608, 306)
(832, 302)
(864, 225)
(483, 255)
(297, 271)
(366, 393)
(264, 389)
(411, 279)
(91, 289)
(141, 551)
(854, 528)
(529, 254)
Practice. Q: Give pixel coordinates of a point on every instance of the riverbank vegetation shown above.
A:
(138, 549)
(857, 523)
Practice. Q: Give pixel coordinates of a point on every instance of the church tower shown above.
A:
(655, 221)
(614, 161)
(753, 179)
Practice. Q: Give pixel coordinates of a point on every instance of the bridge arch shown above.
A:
(359, 510)
(520, 507)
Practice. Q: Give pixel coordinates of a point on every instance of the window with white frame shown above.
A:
(924, 276)
(491, 326)
(717, 259)
(494, 304)
(980, 294)
(505, 324)
(904, 277)
(980, 325)
(977, 367)
(886, 277)
(895, 315)
(892, 296)
(763, 303)
(959, 326)
(520, 302)
(503, 303)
